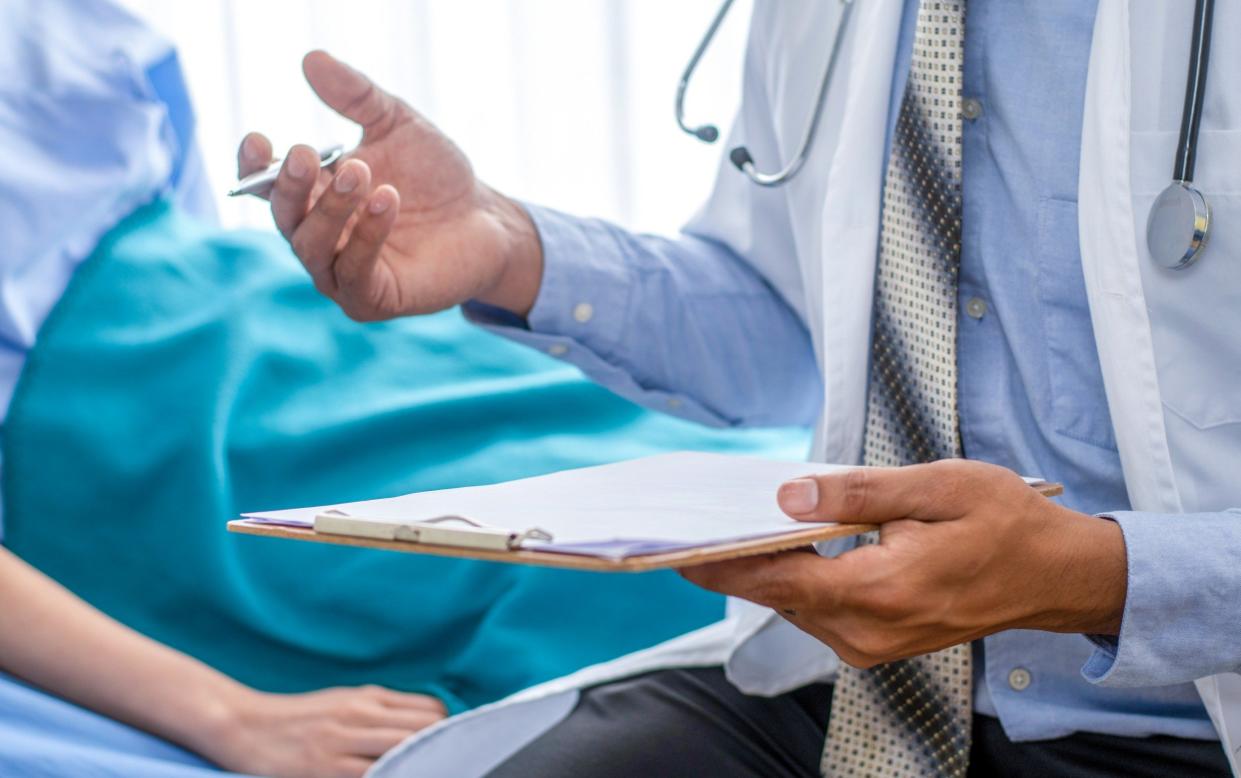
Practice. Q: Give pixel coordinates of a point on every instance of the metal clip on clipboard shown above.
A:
(428, 532)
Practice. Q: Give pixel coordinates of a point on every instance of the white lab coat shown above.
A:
(1169, 344)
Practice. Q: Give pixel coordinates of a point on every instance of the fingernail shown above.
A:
(800, 495)
(346, 182)
(249, 150)
(378, 205)
(297, 168)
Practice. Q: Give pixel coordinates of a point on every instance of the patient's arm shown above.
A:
(52, 639)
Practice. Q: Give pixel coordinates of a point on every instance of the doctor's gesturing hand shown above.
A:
(402, 226)
(966, 550)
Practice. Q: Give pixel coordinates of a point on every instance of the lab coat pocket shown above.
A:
(1195, 312)
(1076, 382)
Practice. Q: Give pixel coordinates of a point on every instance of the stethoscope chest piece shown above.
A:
(1178, 226)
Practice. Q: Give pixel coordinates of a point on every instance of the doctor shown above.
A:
(960, 269)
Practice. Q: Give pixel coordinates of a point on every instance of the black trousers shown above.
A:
(693, 722)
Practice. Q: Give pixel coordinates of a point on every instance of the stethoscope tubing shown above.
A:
(1195, 91)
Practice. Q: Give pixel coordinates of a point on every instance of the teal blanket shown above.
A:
(189, 375)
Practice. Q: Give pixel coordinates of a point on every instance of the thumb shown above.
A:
(347, 91)
(873, 495)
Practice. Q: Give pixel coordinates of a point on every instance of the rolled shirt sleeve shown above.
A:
(1184, 598)
(682, 326)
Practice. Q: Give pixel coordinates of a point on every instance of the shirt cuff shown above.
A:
(583, 295)
(1180, 618)
(586, 286)
(584, 292)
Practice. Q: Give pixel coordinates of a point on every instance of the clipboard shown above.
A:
(459, 537)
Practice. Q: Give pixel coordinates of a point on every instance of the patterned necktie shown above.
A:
(912, 717)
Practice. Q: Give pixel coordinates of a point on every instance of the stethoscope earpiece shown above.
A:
(707, 133)
(740, 157)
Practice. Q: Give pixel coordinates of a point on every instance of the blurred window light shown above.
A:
(567, 103)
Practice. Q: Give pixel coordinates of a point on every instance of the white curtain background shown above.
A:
(567, 103)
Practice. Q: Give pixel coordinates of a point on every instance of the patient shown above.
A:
(159, 376)
(50, 638)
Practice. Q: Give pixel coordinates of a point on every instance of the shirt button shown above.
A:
(583, 312)
(558, 350)
(976, 307)
(971, 109)
(1019, 678)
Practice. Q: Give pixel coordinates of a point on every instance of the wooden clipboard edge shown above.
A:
(635, 564)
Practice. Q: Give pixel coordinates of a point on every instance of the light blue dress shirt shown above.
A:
(672, 323)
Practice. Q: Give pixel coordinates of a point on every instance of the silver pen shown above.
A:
(256, 183)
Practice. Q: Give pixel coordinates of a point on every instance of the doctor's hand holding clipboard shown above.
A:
(400, 225)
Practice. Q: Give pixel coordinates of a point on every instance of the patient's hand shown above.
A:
(326, 734)
(131, 678)
(403, 227)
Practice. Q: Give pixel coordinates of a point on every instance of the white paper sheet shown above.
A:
(641, 506)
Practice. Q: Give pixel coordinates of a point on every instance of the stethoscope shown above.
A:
(1180, 219)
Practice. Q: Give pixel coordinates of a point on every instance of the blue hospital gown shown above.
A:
(45, 737)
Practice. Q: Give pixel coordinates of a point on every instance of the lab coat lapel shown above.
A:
(848, 214)
(1110, 258)
(835, 221)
